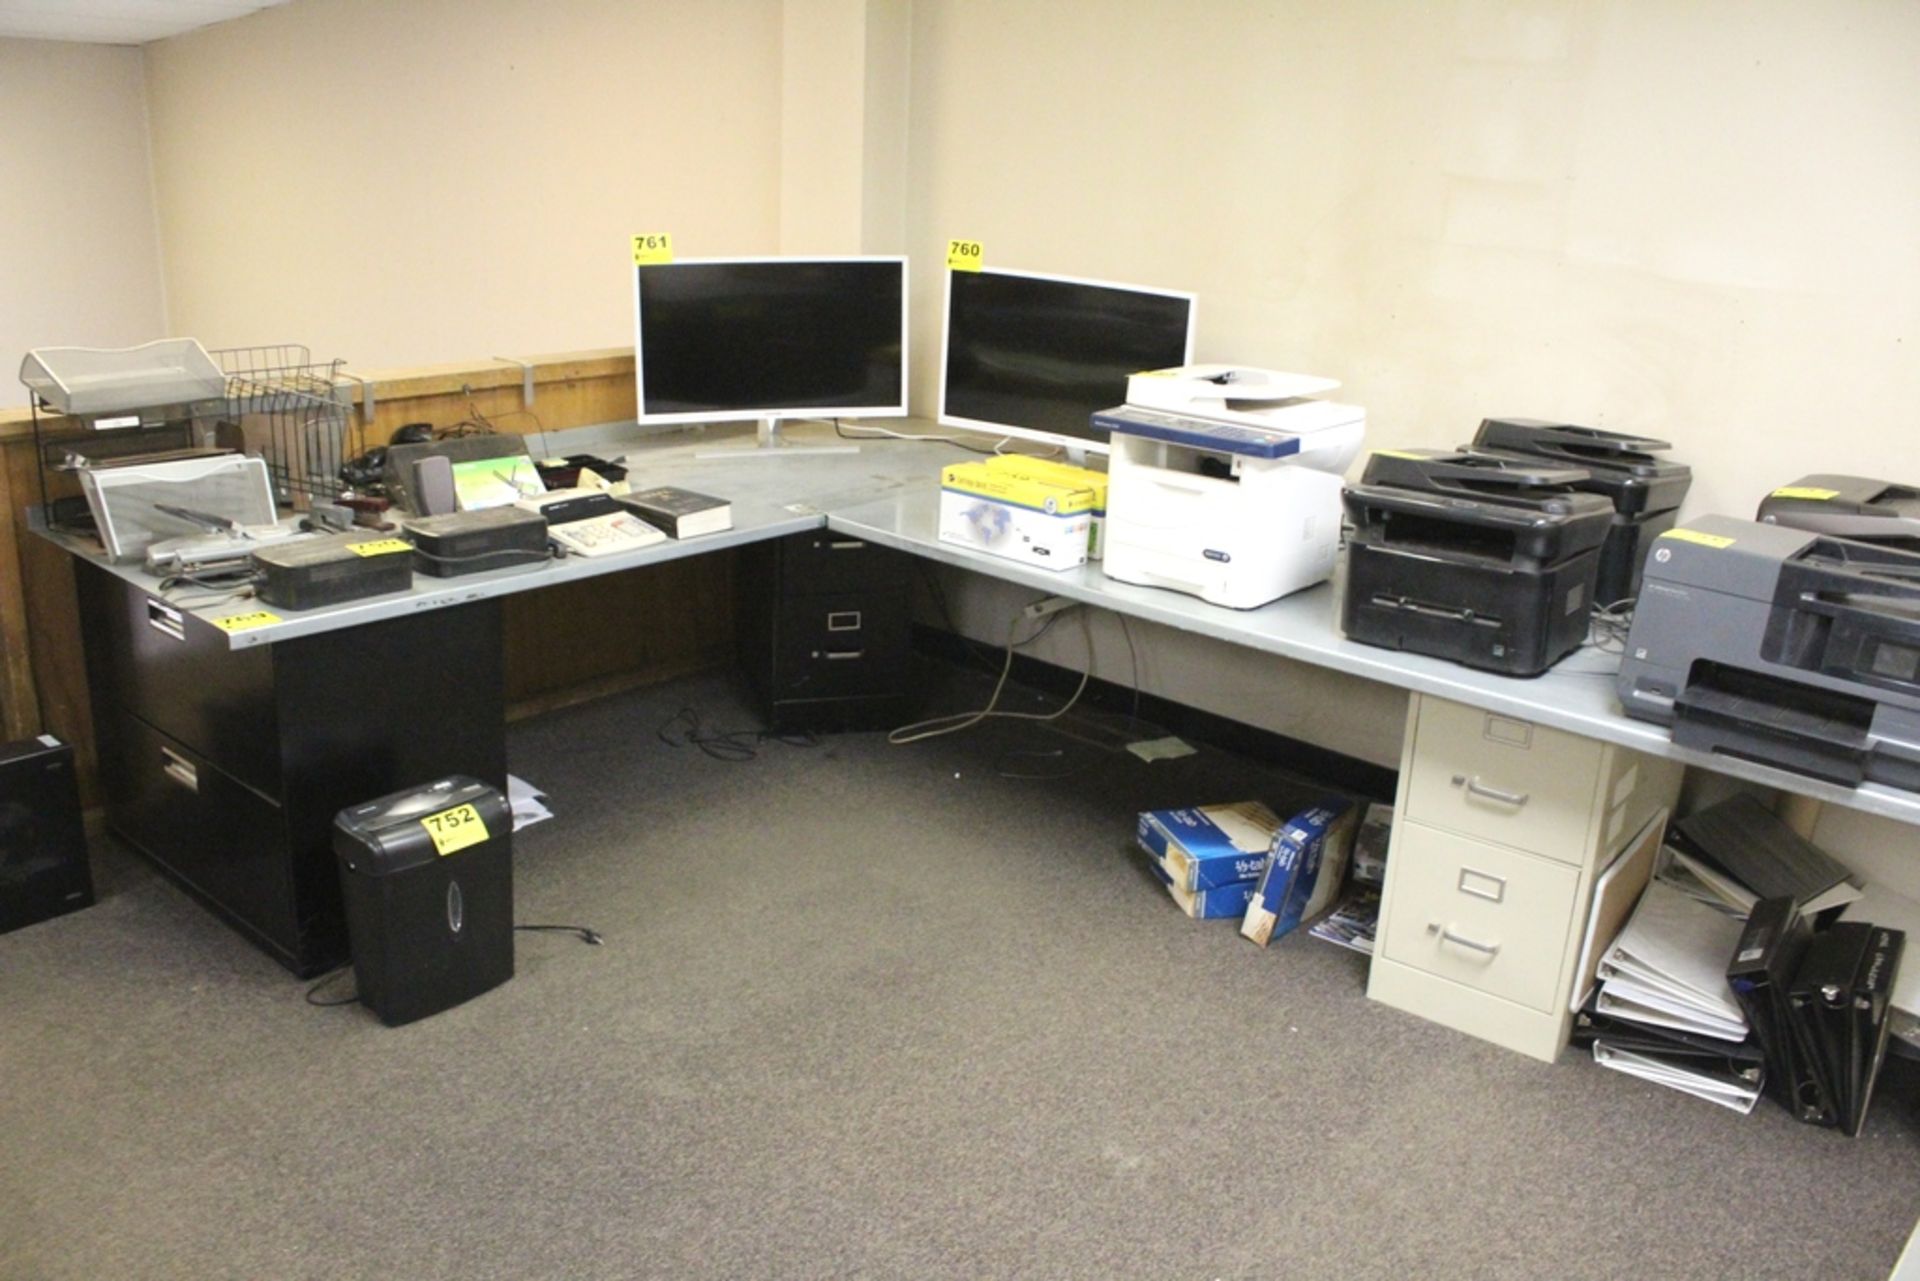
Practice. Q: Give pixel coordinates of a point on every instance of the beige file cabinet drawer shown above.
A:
(1501, 779)
(1486, 917)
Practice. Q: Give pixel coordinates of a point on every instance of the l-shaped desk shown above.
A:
(255, 737)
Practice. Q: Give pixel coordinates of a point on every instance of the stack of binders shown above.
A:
(1819, 1004)
(1665, 1011)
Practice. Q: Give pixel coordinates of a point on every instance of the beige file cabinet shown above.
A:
(1500, 828)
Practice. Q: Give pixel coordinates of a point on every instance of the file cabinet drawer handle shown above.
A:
(166, 620)
(1475, 787)
(842, 655)
(1448, 936)
(179, 769)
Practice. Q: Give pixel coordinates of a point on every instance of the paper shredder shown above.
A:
(427, 877)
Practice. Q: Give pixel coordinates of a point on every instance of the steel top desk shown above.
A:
(887, 494)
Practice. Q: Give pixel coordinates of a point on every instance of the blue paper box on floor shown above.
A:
(1217, 903)
(1303, 870)
(1208, 846)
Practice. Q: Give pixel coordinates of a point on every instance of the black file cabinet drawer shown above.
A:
(182, 676)
(823, 561)
(835, 646)
(825, 635)
(212, 833)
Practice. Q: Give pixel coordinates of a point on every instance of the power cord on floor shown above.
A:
(325, 979)
(582, 932)
(685, 729)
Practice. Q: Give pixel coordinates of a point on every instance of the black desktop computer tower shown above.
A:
(43, 848)
(427, 877)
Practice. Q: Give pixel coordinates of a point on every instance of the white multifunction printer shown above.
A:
(1224, 482)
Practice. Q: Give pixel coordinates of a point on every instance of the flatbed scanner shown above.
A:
(1781, 646)
(1484, 559)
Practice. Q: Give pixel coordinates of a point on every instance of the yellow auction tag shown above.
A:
(1399, 453)
(964, 255)
(380, 547)
(1806, 491)
(455, 829)
(243, 622)
(654, 247)
(1695, 536)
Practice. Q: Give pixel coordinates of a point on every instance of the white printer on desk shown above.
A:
(1224, 482)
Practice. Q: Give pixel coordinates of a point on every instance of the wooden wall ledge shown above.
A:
(414, 381)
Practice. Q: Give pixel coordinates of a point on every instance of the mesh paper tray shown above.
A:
(90, 381)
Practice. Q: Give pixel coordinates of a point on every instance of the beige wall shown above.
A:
(1693, 221)
(440, 179)
(79, 257)
(1690, 220)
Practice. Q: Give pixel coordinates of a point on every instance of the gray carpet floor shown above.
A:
(861, 1011)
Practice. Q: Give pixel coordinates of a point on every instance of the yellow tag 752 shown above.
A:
(454, 829)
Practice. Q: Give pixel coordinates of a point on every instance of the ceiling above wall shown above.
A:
(117, 21)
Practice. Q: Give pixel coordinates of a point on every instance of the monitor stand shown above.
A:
(769, 443)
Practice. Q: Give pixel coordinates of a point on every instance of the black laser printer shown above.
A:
(1645, 491)
(1781, 646)
(1859, 507)
(1483, 559)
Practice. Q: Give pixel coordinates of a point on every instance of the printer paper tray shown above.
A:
(1827, 740)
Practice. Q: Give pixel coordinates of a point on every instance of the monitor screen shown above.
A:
(1036, 356)
(727, 339)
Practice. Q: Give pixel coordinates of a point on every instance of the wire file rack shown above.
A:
(295, 413)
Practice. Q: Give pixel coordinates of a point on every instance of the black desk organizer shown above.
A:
(226, 767)
(825, 633)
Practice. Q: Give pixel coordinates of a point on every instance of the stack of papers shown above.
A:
(1352, 924)
(526, 802)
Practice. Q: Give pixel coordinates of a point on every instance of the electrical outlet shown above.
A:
(1048, 605)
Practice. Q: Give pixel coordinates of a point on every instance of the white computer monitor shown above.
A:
(762, 339)
(1035, 356)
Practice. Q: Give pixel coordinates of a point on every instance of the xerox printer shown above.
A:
(1875, 511)
(1645, 491)
(1483, 559)
(1781, 646)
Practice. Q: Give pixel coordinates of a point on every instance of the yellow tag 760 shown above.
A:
(455, 829)
(380, 546)
(964, 255)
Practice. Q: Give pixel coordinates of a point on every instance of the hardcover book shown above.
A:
(680, 513)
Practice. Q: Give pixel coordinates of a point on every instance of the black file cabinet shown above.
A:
(225, 767)
(824, 632)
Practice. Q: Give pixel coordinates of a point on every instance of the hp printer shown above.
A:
(1781, 646)
(1224, 482)
(1483, 559)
